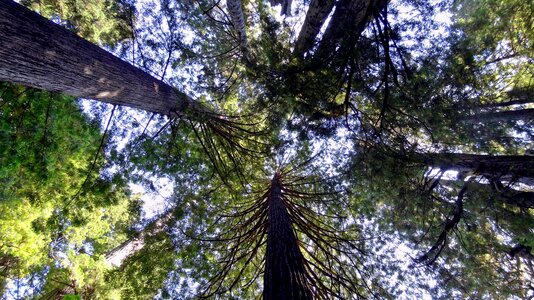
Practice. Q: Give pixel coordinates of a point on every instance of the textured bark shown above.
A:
(235, 10)
(38, 53)
(317, 13)
(285, 275)
(502, 116)
(349, 20)
(510, 166)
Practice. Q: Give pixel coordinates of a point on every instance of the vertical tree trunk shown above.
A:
(285, 275)
(315, 17)
(349, 20)
(116, 256)
(235, 11)
(36, 52)
(286, 6)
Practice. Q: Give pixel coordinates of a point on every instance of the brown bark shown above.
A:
(285, 274)
(38, 53)
(502, 116)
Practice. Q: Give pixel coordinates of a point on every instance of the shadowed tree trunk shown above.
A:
(349, 20)
(285, 272)
(515, 96)
(315, 17)
(509, 166)
(502, 116)
(36, 52)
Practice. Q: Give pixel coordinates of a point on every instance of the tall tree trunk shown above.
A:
(502, 166)
(285, 275)
(117, 255)
(508, 103)
(502, 116)
(349, 20)
(317, 13)
(36, 52)
(235, 10)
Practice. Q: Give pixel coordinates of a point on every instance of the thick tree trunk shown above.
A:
(38, 53)
(285, 275)
(503, 166)
(502, 116)
(349, 20)
(317, 13)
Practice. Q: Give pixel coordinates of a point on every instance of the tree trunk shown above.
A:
(235, 10)
(514, 167)
(508, 103)
(515, 96)
(36, 52)
(502, 116)
(286, 6)
(317, 13)
(117, 255)
(349, 20)
(285, 276)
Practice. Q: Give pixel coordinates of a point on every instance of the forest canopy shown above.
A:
(305, 149)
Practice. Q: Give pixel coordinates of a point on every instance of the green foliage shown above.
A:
(143, 274)
(47, 149)
(102, 22)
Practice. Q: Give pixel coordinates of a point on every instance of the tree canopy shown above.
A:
(347, 149)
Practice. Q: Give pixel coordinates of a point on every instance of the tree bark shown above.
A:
(285, 276)
(235, 10)
(508, 103)
(502, 116)
(349, 20)
(317, 13)
(509, 166)
(36, 52)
